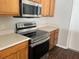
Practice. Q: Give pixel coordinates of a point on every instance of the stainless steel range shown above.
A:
(39, 39)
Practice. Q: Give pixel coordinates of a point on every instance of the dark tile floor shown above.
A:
(60, 53)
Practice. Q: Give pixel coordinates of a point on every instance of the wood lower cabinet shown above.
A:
(56, 37)
(9, 7)
(23, 53)
(53, 38)
(19, 51)
(13, 56)
(51, 41)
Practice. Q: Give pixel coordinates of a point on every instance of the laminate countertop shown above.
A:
(48, 28)
(9, 40)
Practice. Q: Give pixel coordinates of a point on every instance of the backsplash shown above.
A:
(9, 22)
(4, 22)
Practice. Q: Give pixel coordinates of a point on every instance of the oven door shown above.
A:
(39, 50)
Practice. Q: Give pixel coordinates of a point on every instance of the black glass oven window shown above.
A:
(28, 9)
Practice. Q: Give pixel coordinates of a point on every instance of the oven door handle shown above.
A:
(39, 42)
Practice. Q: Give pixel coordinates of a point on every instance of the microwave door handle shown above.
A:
(22, 9)
(36, 10)
(39, 10)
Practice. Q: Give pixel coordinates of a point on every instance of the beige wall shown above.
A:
(74, 27)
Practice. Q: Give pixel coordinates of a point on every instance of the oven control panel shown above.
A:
(25, 25)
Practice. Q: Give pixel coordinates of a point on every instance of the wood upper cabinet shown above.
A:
(19, 51)
(52, 7)
(45, 7)
(53, 38)
(48, 7)
(37, 1)
(9, 7)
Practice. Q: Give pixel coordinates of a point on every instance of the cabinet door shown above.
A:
(51, 41)
(9, 7)
(13, 56)
(56, 36)
(19, 51)
(45, 7)
(53, 38)
(52, 7)
(23, 54)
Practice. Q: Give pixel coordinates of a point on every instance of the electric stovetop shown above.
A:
(37, 35)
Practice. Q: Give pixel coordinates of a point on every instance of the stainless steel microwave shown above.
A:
(30, 9)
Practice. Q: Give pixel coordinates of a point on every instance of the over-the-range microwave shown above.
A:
(30, 9)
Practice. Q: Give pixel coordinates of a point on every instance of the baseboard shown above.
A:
(61, 46)
(74, 49)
